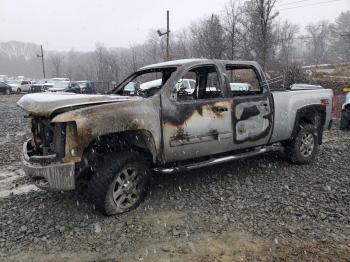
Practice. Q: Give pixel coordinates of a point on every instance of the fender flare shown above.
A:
(310, 112)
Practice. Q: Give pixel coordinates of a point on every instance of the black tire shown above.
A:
(119, 183)
(19, 90)
(8, 91)
(304, 146)
(344, 123)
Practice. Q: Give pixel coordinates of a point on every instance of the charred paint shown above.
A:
(113, 118)
(185, 111)
(248, 112)
(180, 134)
(214, 133)
(182, 113)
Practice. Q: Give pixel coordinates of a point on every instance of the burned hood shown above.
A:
(44, 104)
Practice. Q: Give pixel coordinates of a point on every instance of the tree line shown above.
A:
(249, 30)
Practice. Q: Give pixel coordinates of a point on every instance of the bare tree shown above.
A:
(286, 36)
(181, 45)
(154, 47)
(208, 38)
(319, 37)
(231, 23)
(340, 34)
(133, 58)
(245, 29)
(56, 61)
(259, 18)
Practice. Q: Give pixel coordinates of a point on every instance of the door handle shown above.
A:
(220, 109)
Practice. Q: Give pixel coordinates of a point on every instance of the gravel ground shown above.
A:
(261, 208)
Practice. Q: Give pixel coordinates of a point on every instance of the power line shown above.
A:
(319, 3)
(292, 3)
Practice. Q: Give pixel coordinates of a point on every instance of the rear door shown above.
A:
(199, 122)
(252, 115)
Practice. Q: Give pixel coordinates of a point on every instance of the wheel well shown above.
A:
(137, 140)
(314, 115)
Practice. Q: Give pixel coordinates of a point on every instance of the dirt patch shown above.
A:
(165, 218)
(231, 246)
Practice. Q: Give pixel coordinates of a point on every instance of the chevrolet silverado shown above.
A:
(112, 142)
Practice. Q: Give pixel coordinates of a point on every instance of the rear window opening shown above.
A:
(243, 80)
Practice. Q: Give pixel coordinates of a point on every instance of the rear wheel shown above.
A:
(303, 148)
(7, 92)
(119, 183)
(19, 90)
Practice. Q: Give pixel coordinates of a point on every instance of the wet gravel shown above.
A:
(265, 197)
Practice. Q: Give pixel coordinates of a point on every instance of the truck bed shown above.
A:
(287, 103)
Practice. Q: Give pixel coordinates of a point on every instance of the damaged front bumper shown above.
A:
(47, 173)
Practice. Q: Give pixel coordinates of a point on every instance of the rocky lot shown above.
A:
(261, 208)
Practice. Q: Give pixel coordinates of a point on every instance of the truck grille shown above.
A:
(48, 138)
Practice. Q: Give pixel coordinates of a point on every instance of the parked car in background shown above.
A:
(51, 82)
(186, 85)
(45, 84)
(5, 88)
(38, 86)
(239, 87)
(20, 85)
(345, 114)
(134, 88)
(58, 79)
(87, 87)
(65, 86)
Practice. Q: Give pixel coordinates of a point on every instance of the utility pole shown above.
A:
(42, 59)
(167, 33)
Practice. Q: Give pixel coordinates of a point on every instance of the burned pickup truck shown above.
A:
(152, 121)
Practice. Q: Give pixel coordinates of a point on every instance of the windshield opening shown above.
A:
(144, 83)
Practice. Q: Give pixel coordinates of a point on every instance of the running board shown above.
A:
(219, 160)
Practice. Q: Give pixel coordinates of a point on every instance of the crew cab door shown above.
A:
(197, 122)
(252, 114)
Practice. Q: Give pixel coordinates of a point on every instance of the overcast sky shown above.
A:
(79, 24)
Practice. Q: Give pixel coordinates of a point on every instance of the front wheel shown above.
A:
(303, 148)
(19, 90)
(8, 91)
(119, 183)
